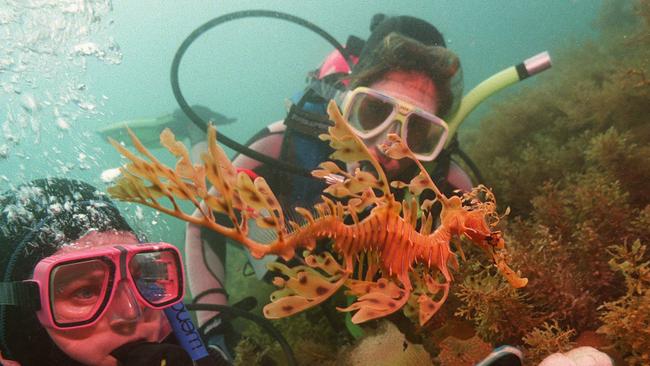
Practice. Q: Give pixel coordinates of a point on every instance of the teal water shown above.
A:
(68, 68)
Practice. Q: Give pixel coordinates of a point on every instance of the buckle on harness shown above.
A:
(307, 123)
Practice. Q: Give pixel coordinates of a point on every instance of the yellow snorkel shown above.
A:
(493, 84)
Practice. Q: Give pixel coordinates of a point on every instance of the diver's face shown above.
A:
(411, 87)
(125, 320)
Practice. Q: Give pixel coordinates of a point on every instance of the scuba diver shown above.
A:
(80, 288)
(148, 129)
(405, 81)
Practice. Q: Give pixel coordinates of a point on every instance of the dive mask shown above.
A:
(370, 113)
(73, 290)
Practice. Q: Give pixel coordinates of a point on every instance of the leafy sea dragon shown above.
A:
(382, 259)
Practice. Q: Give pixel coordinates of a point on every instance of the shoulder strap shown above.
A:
(306, 122)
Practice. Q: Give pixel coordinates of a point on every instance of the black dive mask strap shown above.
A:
(454, 148)
(20, 293)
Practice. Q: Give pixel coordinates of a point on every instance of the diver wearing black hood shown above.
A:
(423, 54)
(412, 27)
(36, 221)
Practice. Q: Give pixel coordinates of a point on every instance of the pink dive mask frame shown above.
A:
(160, 287)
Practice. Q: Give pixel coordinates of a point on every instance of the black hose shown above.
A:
(470, 163)
(202, 124)
(262, 322)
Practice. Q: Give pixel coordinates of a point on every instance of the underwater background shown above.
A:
(566, 150)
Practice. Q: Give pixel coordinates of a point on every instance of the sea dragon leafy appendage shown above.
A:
(381, 259)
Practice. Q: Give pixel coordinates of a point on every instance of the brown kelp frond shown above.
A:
(462, 352)
(618, 18)
(633, 263)
(546, 339)
(622, 158)
(545, 134)
(638, 78)
(640, 225)
(491, 303)
(643, 11)
(563, 246)
(626, 321)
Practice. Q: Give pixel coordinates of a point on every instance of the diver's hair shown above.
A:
(400, 53)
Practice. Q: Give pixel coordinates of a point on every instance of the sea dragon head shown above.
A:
(472, 216)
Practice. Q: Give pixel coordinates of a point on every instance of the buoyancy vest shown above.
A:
(293, 140)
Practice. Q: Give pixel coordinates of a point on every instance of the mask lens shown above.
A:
(156, 276)
(423, 135)
(368, 112)
(78, 291)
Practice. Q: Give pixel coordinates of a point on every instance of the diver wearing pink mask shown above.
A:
(78, 287)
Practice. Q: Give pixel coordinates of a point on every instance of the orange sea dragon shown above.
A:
(385, 262)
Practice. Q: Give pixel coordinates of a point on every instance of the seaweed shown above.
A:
(547, 339)
(459, 352)
(492, 305)
(626, 321)
(572, 160)
(617, 17)
(260, 348)
(591, 89)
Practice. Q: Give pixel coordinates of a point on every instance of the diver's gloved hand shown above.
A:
(152, 354)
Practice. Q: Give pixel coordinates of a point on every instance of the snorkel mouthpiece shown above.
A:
(151, 354)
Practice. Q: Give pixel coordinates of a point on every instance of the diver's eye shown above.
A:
(86, 293)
